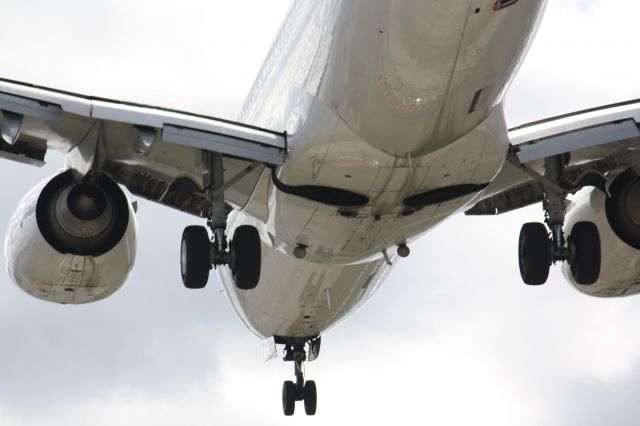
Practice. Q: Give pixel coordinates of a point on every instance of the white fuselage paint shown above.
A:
(385, 99)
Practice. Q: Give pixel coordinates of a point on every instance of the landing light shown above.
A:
(403, 250)
(300, 251)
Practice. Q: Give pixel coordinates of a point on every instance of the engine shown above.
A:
(72, 242)
(618, 221)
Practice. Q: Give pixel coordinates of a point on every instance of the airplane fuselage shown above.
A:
(395, 122)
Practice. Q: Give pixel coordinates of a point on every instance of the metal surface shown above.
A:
(11, 126)
(63, 277)
(269, 350)
(224, 144)
(29, 107)
(213, 181)
(146, 139)
(578, 139)
(376, 101)
(620, 264)
(23, 152)
(86, 155)
(576, 120)
(364, 118)
(219, 190)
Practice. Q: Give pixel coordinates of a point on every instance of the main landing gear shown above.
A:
(300, 390)
(199, 253)
(539, 246)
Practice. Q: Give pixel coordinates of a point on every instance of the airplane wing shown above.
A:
(155, 152)
(593, 142)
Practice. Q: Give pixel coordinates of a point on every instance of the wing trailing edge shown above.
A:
(594, 142)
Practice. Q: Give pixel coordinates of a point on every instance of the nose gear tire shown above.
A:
(288, 397)
(310, 397)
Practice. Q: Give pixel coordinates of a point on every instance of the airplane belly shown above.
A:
(296, 297)
(395, 122)
(399, 206)
(344, 261)
(413, 76)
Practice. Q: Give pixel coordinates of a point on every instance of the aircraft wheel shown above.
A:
(534, 253)
(289, 398)
(194, 257)
(310, 397)
(246, 257)
(584, 246)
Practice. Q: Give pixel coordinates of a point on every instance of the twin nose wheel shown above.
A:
(292, 393)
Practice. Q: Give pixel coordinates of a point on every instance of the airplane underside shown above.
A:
(392, 121)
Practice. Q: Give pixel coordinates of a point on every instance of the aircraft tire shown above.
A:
(288, 397)
(534, 253)
(194, 257)
(246, 257)
(584, 246)
(310, 397)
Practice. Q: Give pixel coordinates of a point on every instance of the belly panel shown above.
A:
(335, 234)
(412, 76)
(297, 298)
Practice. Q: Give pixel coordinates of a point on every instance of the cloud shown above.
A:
(581, 58)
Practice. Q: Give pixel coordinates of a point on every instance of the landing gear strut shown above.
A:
(300, 390)
(539, 246)
(199, 253)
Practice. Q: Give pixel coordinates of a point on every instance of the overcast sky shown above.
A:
(453, 337)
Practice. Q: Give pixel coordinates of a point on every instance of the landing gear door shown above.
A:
(314, 349)
(269, 351)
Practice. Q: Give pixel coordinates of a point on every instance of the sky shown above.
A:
(453, 337)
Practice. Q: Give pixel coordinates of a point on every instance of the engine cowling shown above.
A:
(618, 221)
(71, 242)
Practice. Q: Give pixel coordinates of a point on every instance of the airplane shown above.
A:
(386, 121)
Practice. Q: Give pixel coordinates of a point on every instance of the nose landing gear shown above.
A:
(300, 390)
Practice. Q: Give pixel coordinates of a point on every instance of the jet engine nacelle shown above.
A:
(70, 241)
(618, 221)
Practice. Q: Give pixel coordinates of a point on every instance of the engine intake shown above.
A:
(623, 208)
(86, 219)
(72, 242)
(618, 220)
